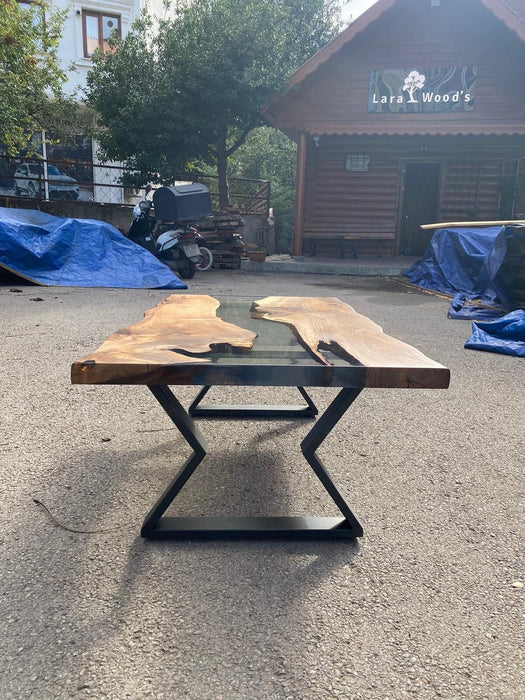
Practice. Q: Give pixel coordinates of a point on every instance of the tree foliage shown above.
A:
(30, 76)
(268, 154)
(191, 88)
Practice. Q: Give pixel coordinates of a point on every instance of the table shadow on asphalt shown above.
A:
(208, 597)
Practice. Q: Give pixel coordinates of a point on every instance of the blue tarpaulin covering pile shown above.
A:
(506, 336)
(472, 265)
(55, 251)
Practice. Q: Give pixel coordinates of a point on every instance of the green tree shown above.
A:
(268, 154)
(30, 76)
(192, 89)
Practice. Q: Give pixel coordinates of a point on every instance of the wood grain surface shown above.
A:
(174, 342)
(184, 323)
(328, 323)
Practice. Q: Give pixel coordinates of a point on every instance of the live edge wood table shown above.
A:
(276, 341)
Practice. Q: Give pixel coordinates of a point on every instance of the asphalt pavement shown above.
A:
(428, 604)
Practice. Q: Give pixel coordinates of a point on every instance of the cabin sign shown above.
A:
(411, 90)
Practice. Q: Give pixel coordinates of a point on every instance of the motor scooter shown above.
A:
(179, 247)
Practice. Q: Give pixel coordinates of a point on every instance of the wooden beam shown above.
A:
(300, 187)
(459, 224)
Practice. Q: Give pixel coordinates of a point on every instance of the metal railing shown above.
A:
(88, 181)
(247, 195)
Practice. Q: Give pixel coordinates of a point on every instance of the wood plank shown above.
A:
(328, 323)
(328, 236)
(459, 224)
(187, 323)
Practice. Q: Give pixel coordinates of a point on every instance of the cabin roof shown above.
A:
(510, 12)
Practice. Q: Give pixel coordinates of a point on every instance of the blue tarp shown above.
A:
(466, 307)
(50, 250)
(468, 264)
(466, 260)
(506, 336)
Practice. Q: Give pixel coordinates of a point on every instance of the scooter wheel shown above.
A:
(186, 268)
(205, 261)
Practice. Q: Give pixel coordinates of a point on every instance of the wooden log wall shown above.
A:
(342, 203)
(470, 189)
(367, 204)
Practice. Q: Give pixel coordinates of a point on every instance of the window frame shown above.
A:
(99, 15)
(357, 162)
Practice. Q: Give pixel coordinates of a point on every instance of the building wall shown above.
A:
(71, 49)
(76, 66)
(414, 35)
(476, 149)
(367, 205)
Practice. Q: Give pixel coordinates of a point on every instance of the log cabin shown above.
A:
(414, 114)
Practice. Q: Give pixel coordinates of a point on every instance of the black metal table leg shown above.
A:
(311, 442)
(158, 527)
(259, 411)
(193, 436)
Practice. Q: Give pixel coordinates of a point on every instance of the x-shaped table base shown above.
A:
(158, 526)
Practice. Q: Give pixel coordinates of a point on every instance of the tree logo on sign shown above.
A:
(413, 81)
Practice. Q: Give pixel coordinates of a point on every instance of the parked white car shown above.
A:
(29, 181)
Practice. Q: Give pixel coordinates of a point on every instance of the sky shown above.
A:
(351, 9)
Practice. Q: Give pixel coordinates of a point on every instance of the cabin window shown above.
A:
(97, 28)
(359, 162)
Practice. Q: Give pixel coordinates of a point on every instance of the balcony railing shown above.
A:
(86, 181)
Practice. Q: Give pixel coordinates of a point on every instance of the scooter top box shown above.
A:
(182, 202)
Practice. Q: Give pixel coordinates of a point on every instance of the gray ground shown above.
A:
(423, 606)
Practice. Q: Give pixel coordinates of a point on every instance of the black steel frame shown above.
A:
(224, 411)
(158, 526)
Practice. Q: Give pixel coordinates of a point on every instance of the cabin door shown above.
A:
(420, 203)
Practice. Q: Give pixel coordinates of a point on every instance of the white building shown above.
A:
(89, 24)
(71, 171)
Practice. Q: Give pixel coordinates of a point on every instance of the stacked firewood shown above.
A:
(223, 236)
